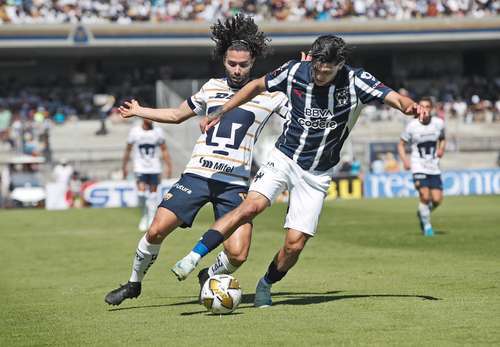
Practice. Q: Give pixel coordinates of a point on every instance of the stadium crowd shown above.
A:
(124, 12)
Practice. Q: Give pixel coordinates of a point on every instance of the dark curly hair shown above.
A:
(239, 33)
(329, 49)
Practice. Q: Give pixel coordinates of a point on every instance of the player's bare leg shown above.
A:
(164, 223)
(235, 253)
(436, 198)
(284, 260)
(253, 204)
(424, 211)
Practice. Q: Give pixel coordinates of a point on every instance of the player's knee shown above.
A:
(155, 234)
(293, 248)
(248, 210)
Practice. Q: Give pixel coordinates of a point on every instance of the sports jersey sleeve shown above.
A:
(131, 137)
(198, 101)
(276, 81)
(406, 135)
(161, 136)
(368, 88)
(281, 108)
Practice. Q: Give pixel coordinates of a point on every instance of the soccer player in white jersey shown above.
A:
(325, 98)
(145, 140)
(427, 141)
(219, 169)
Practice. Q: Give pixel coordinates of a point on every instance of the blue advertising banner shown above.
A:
(463, 182)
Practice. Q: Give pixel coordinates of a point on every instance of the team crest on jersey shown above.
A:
(342, 96)
(168, 196)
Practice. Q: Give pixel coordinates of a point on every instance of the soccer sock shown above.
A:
(145, 256)
(431, 206)
(151, 203)
(273, 275)
(425, 213)
(141, 196)
(209, 241)
(222, 265)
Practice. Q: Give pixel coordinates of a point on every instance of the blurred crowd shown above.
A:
(123, 12)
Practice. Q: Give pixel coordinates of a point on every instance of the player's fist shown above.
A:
(418, 111)
(129, 108)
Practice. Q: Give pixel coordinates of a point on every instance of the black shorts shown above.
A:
(422, 180)
(192, 192)
(150, 179)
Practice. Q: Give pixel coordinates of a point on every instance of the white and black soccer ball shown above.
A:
(221, 294)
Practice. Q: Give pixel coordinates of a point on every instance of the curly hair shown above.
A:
(329, 49)
(239, 33)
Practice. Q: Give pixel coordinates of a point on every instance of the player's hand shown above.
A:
(305, 56)
(440, 152)
(418, 111)
(129, 109)
(211, 120)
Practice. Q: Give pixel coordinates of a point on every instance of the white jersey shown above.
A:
(424, 140)
(224, 153)
(146, 145)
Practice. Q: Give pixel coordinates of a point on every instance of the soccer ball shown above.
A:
(221, 294)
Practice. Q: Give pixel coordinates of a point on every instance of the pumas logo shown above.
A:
(216, 165)
(342, 96)
(318, 123)
(168, 196)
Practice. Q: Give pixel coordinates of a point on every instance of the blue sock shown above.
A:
(273, 275)
(209, 241)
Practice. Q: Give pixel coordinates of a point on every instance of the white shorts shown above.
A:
(307, 190)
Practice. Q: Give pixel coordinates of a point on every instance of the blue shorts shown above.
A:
(149, 179)
(422, 180)
(192, 192)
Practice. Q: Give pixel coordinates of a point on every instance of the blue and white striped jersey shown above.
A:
(321, 118)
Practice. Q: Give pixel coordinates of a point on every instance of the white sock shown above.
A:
(222, 266)
(425, 214)
(145, 256)
(151, 204)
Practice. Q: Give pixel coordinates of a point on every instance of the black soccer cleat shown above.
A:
(202, 278)
(128, 290)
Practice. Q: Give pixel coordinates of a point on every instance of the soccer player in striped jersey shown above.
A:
(428, 143)
(219, 169)
(325, 98)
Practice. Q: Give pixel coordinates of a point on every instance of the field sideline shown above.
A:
(368, 278)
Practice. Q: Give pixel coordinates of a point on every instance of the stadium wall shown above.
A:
(192, 36)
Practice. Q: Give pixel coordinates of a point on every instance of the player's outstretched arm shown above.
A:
(244, 95)
(407, 106)
(161, 115)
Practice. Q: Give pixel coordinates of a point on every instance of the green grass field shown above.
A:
(367, 278)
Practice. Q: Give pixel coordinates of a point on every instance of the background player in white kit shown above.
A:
(147, 141)
(427, 141)
(219, 169)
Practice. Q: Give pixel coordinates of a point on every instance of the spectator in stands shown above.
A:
(125, 12)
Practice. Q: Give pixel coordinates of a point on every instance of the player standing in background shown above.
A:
(428, 143)
(325, 98)
(219, 169)
(145, 140)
